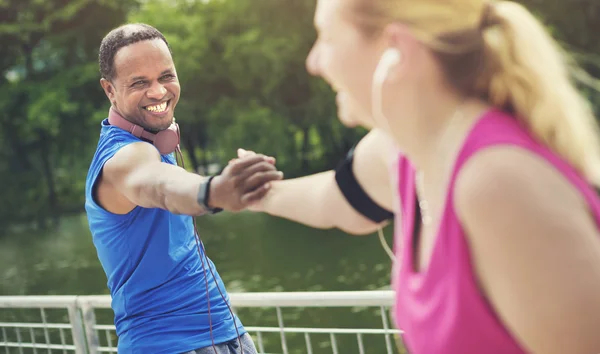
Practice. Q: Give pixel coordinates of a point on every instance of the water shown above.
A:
(252, 252)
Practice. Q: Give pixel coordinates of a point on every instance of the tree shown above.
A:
(49, 95)
(241, 64)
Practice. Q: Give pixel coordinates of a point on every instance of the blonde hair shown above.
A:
(518, 66)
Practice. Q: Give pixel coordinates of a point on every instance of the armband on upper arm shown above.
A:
(355, 194)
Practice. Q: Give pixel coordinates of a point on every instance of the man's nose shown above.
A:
(156, 91)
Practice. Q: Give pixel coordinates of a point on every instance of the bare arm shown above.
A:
(536, 250)
(135, 176)
(317, 201)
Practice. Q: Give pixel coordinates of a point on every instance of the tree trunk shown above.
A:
(48, 174)
(191, 149)
(204, 160)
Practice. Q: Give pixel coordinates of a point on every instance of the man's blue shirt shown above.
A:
(155, 274)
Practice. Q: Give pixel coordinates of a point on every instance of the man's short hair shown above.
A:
(121, 37)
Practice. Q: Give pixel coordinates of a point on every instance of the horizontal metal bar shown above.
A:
(264, 299)
(40, 346)
(286, 299)
(106, 350)
(105, 327)
(314, 299)
(95, 301)
(37, 301)
(34, 325)
(297, 330)
(323, 330)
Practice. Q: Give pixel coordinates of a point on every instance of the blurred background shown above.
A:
(244, 84)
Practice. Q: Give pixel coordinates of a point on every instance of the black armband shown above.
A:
(355, 194)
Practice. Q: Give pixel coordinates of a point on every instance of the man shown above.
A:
(166, 294)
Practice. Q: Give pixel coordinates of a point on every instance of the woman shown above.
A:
(497, 242)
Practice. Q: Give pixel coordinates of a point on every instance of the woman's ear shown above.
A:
(399, 39)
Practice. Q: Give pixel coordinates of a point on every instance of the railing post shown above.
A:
(386, 327)
(77, 329)
(89, 322)
(281, 330)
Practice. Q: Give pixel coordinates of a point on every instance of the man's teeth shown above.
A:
(158, 108)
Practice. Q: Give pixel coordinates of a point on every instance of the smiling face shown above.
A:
(346, 59)
(145, 88)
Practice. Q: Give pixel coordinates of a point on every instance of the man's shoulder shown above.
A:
(113, 138)
(110, 141)
(109, 134)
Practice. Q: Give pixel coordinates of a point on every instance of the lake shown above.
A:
(252, 252)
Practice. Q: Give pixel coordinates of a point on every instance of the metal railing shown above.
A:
(72, 327)
(63, 332)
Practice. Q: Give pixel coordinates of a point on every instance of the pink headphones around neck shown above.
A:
(166, 141)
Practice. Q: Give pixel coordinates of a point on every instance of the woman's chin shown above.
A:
(348, 122)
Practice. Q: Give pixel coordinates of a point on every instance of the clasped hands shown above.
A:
(244, 182)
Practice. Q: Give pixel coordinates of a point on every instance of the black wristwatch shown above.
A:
(204, 195)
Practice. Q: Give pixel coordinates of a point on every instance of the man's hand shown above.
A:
(258, 205)
(247, 153)
(243, 182)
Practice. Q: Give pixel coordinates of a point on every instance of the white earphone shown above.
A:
(389, 58)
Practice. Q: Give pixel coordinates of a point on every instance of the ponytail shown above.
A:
(527, 73)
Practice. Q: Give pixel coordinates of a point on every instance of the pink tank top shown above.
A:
(441, 309)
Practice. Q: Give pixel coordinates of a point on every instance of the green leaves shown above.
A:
(241, 65)
(49, 91)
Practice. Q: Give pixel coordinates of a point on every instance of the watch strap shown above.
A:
(206, 197)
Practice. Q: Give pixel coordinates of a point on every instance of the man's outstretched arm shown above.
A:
(136, 176)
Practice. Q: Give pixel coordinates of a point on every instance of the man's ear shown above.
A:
(109, 90)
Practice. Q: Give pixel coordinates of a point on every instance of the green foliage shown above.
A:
(241, 64)
(49, 94)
